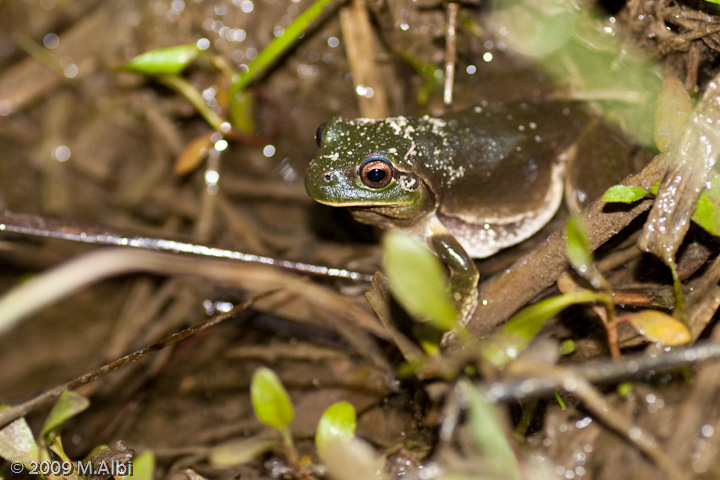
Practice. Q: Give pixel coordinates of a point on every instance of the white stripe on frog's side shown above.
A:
(484, 239)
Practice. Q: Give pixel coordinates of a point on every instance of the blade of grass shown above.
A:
(279, 45)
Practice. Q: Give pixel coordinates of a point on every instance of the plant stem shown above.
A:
(290, 449)
(184, 88)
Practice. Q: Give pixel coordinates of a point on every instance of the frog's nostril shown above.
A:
(327, 176)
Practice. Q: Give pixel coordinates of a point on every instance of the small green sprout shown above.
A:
(270, 400)
(272, 406)
(337, 423)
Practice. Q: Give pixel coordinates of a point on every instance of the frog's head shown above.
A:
(368, 165)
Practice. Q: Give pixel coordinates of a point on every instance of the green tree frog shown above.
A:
(467, 184)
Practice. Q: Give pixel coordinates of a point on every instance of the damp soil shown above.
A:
(85, 142)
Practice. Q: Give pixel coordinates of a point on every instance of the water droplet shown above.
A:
(582, 423)
(61, 153)
(269, 150)
(221, 145)
(51, 41)
(211, 177)
(203, 44)
(570, 385)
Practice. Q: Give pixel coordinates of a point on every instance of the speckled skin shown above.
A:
(491, 176)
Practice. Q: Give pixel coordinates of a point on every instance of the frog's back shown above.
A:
(498, 168)
(498, 161)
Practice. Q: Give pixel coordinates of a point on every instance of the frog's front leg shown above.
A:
(464, 275)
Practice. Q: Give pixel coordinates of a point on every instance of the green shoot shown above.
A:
(272, 406)
(337, 423)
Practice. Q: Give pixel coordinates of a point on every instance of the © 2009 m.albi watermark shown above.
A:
(52, 467)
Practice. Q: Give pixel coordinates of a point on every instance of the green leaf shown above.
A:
(578, 245)
(580, 254)
(270, 400)
(240, 451)
(17, 443)
(624, 194)
(164, 61)
(567, 347)
(338, 422)
(655, 188)
(514, 337)
(488, 432)
(707, 210)
(68, 405)
(418, 280)
(674, 106)
(658, 327)
(143, 466)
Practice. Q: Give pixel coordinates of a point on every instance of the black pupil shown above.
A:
(376, 175)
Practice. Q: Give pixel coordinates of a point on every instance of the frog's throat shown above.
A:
(487, 237)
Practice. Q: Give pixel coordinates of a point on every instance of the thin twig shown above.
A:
(50, 396)
(450, 52)
(514, 388)
(38, 226)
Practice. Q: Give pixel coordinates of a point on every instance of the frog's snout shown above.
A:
(318, 181)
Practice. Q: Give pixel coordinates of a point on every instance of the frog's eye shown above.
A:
(376, 172)
(319, 133)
